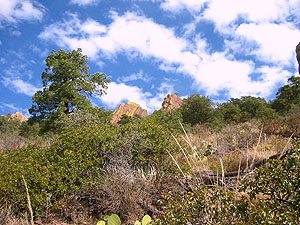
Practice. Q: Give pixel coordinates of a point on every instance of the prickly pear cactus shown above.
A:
(113, 219)
(145, 221)
(101, 222)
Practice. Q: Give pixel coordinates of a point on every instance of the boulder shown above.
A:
(171, 101)
(130, 109)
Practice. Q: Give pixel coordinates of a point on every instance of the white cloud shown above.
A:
(224, 13)
(265, 29)
(129, 33)
(135, 76)
(16, 33)
(118, 93)
(85, 2)
(177, 5)
(20, 86)
(10, 107)
(138, 36)
(275, 42)
(12, 11)
(217, 73)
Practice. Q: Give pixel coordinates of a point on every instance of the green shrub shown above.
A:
(76, 160)
(51, 173)
(197, 109)
(8, 126)
(270, 196)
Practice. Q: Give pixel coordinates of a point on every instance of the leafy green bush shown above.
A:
(243, 109)
(9, 126)
(76, 160)
(277, 188)
(197, 109)
(52, 173)
(170, 120)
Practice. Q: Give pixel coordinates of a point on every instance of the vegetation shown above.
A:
(269, 196)
(288, 95)
(79, 168)
(66, 87)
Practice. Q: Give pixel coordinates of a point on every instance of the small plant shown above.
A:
(113, 219)
(145, 221)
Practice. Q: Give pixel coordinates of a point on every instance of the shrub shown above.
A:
(80, 118)
(60, 173)
(51, 173)
(8, 126)
(270, 196)
(197, 109)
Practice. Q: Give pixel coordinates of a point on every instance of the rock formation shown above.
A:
(18, 116)
(130, 109)
(171, 101)
(298, 56)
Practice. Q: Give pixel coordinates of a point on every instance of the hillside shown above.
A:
(191, 162)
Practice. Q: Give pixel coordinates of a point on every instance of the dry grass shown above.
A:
(11, 142)
(237, 146)
(7, 217)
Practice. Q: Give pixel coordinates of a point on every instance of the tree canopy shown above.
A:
(288, 95)
(245, 108)
(67, 85)
(197, 109)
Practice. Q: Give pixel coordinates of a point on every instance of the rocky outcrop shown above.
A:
(171, 101)
(130, 109)
(298, 56)
(18, 116)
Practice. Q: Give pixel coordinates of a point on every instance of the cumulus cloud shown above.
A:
(85, 2)
(128, 33)
(118, 93)
(265, 29)
(275, 42)
(13, 11)
(135, 76)
(217, 73)
(137, 36)
(177, 5)
(19, 86)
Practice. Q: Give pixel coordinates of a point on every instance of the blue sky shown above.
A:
(149, 48)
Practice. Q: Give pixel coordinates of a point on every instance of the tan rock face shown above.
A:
(298, 56)
(18, 116)
(130, 109)
(171, 101)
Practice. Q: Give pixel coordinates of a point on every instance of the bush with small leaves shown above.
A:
(271, 195)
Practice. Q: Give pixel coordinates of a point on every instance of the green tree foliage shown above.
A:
(8, 126)
(245, 108)
(81, 118)
(76, 160)
(197, 109)
(170, 120)
(125, 119)
(67, 85)
(288, 95)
